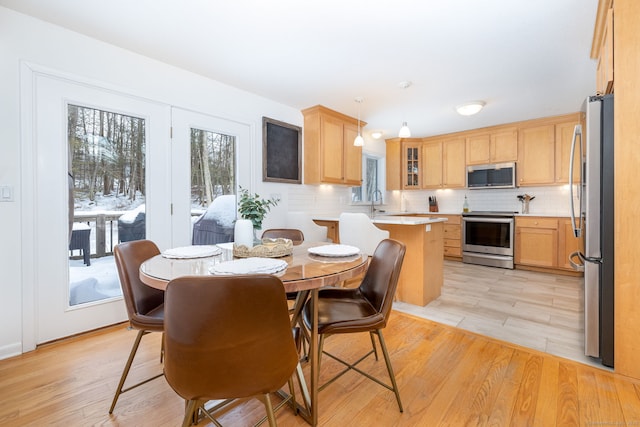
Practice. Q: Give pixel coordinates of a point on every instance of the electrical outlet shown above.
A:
(6, 193)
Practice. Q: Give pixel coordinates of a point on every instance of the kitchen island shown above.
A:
(421, 276)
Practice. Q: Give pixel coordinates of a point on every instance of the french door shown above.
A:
(46, 210)
(187, 126)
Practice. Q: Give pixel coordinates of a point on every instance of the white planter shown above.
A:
(243, 232)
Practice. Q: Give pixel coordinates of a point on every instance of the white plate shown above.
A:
(196, 251)
(334, 250)
(253, 265)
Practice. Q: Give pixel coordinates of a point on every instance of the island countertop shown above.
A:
(390, 219)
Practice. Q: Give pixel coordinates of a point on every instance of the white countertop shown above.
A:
(391, 219)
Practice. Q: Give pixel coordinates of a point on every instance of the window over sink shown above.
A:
(372, 179)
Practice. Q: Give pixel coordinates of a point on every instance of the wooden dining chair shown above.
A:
(362, 309)
(145, 305)
(229, 337)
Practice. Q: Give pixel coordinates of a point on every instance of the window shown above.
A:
(371, 180)
(212, 166)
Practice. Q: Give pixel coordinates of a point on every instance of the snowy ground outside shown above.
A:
(95, 282)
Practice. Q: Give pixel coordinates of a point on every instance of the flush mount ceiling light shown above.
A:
(470, 108)
(404, 130)
(376, 134)
(359, 141)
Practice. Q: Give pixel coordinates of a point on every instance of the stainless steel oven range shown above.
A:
(488, 238)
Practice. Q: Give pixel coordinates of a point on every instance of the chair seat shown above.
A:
(152, 321)
(344, 311)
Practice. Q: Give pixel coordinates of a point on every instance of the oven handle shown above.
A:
(489, 219)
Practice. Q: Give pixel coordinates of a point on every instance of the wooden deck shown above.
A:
(447, 376)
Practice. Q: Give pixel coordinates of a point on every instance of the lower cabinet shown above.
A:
(544, 242)
(452, 235)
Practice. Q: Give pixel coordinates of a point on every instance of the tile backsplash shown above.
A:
(331, 200)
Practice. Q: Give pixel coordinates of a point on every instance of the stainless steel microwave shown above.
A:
(497, 175)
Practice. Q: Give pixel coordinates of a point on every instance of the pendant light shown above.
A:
(404, 130)
(359, 141)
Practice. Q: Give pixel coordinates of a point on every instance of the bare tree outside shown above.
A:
(212, 166)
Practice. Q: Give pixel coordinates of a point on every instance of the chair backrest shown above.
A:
(227, 336)
(303, 222)
(356, 229)
(296, 236)
(381, 279)
(139, 298)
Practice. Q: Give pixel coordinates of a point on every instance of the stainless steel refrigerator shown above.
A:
(592, 210)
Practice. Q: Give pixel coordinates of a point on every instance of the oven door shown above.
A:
(488, 235)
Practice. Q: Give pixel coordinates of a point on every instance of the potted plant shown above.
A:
(252, 209)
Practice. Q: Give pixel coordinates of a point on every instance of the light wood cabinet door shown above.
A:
(453, 163)
(478, 149)
(564, 139)
(604, 70)
(536, 242)
(331, 134)
(504, 146)
(567, 243)
(536, 155)
(352, 157)
(329, 153)
(411, 158)
(432, 165)
(393, 148)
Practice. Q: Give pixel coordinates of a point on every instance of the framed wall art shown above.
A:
(281, 151)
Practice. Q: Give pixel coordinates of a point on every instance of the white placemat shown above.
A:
(334, 250)
(253, 265)
(196, 251)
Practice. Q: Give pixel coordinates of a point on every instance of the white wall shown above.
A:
(23, 38)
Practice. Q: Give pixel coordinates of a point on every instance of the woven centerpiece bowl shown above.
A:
(269, 248)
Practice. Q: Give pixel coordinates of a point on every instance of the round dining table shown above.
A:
(305, 274)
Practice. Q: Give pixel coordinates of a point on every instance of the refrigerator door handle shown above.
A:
(577, 228)
(576, 266)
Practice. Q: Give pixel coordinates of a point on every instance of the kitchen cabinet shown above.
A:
(404, 163)
(332, 229)
(443, 163)
(453, 163)
(329, 154)
(498, 146)
(545, 242)
(604, 55)
(536, 155)
(563, 141)
(567, 243)
(536, 242)
(433, 164)
(452, 235)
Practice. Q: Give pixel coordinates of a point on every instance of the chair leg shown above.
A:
(162, 349)
(392, 376)
(190, 413)
(125, 372)
(270, 415)
(127, 366)
(304, 390)
(373, 344)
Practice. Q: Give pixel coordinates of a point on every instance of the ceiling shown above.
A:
(525, 59)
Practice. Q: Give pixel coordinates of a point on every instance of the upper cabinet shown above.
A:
(544, 148)
(540, 147)
(602, 49)
(329, 154)
(425, 163)
(498, 146)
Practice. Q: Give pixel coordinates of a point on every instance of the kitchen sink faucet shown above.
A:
(373, 199)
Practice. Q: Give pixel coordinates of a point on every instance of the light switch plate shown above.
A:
(6, 193)
(427, 228)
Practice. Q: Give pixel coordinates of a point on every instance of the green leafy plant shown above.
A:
(252, 207)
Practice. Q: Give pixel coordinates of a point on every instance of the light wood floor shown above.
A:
(537, 310)
(446, 376)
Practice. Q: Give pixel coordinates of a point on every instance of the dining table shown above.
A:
(306, 273)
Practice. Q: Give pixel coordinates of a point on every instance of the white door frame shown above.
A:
(182, 120)
(39, 263)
